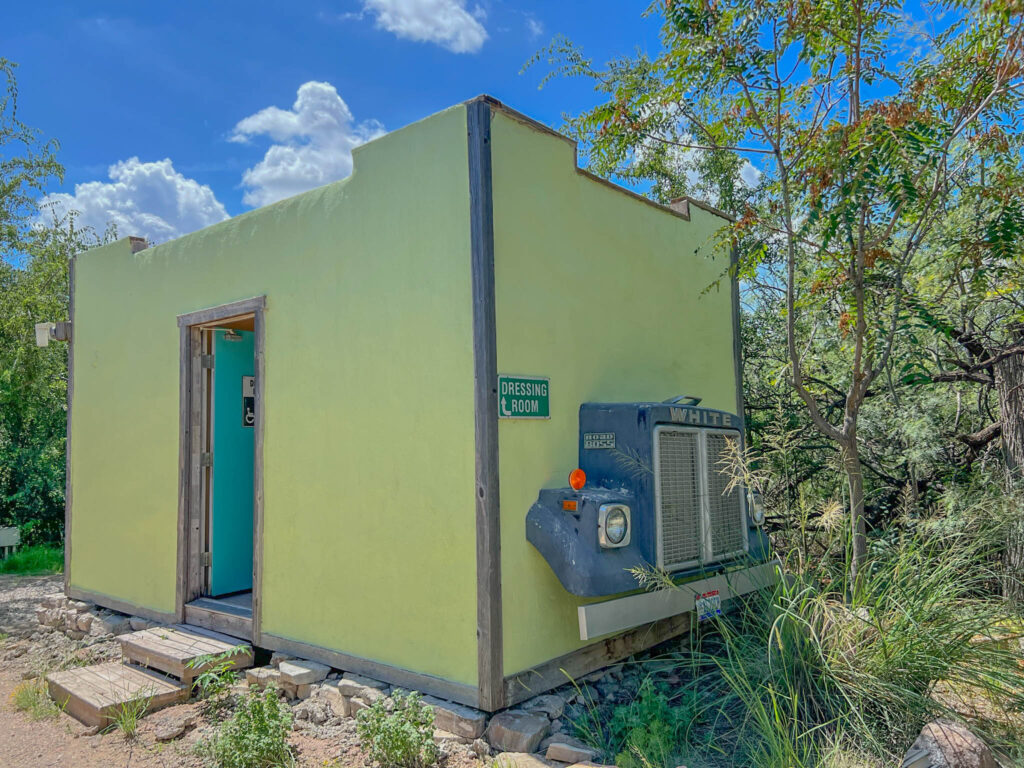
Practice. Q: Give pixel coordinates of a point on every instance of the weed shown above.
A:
(399, 734)
(651, 727)
(33, 698)
(255, 736)
(128, 715)
(34, 560)
(217, 676)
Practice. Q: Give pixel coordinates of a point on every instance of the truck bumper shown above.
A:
(610, 616)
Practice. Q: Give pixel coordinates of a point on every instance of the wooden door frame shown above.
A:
(190, 490)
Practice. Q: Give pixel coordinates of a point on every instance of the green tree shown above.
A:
(866, 131)
(34, 256)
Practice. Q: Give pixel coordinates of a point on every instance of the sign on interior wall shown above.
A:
(248, 401)
(523, 397)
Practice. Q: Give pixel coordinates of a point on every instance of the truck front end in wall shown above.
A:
(654, 490)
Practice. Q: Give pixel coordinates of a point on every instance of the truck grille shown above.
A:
(697, 521)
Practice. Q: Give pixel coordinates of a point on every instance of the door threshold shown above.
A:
(226, 619)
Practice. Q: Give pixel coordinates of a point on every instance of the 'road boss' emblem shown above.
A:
(598, 441)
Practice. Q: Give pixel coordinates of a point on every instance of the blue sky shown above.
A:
(172, 116)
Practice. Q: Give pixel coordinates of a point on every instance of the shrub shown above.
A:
(399, 734)
(32, 560)
(255, 736)
(648, 732)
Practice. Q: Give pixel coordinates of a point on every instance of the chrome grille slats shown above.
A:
(696, 520)
(679, 473)
(725, 510)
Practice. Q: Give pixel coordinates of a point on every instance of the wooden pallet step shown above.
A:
(175, 649)
(95, 695)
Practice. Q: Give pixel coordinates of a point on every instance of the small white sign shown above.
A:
(709, 605)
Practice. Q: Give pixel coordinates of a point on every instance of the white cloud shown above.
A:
(445, 22)
(151, 200)
(313, 144)
(750, 174)
(534, 27)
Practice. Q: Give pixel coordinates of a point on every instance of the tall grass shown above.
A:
(812, 673)
(34, 560)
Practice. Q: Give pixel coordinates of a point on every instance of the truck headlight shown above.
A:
(613, 525)
(756, 507)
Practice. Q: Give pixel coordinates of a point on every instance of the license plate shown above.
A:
(709, 605)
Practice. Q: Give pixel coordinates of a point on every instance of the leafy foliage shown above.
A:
(399, 733)
(217, 676)
(256, 736)
(867, 139)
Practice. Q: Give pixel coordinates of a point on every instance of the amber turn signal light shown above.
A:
(569, 505)
(577, 479)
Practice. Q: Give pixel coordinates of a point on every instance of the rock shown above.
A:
(316, 711)
(446, 738)
(290, 690)
(549, 704)
(951, 745)
(480, 748)
(54, 601)
(85, 621)
(520, 760)
(566, 749)
(517, 731)
(355, 706)
(304, 690)
(261, 677)
(138, 623)
(75, 634)
(556, 726)
(595, 677)
(50, 617)
(463, 721)
(354, 688)
(113, 624)
(277, 657)
(299, 671)
(369, 682)
(173, 724)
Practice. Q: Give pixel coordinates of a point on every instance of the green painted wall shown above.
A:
(369, 451)
(601, 292)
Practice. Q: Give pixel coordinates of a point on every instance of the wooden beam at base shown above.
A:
(122, 606)
(218, 621)
(532, 682)
(403, 678)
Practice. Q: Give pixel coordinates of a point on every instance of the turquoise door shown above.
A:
(231, 489)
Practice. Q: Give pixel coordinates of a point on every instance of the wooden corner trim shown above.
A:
(490, 663)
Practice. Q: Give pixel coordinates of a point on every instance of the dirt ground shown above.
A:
(26, 650)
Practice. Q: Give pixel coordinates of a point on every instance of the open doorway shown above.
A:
(221, 479)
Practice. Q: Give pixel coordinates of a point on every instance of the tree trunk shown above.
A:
(858, 526)
(1009, 379)
(1009, 384)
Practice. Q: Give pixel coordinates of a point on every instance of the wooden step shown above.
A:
(96, 695)
(175, 649)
